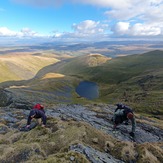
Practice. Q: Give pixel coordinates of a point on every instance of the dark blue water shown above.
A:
(89, 90)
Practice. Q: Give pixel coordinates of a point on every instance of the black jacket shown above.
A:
(38, 114)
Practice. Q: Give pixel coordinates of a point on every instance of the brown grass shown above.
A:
(150, 153)
(51, 144)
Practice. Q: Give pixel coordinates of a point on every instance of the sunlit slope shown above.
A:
(76, 65)
(121, 69)
(18, 67)
(106, 70)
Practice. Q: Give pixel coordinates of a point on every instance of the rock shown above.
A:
(94, 155)
(144, 132)
(13, 118)
(72, 158)
(3, 129)
(95, 140)
(5, 99)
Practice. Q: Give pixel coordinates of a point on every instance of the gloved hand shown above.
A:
(132, 134)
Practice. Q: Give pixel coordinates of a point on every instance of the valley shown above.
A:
(134, 79)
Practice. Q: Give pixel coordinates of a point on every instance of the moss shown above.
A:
(20, 152)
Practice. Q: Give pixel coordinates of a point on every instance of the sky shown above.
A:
(80, 20)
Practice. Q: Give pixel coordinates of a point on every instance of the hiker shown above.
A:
(121, 106)
(124, 113)
(37, 114)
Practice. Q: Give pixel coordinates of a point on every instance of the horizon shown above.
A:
(79, 20)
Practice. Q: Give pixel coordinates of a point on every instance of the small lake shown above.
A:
(87, 89)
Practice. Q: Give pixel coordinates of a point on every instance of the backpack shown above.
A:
(38, 106)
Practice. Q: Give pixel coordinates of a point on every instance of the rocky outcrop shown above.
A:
(93, 155)
(79, 131)
(101, 120)
(5, 99)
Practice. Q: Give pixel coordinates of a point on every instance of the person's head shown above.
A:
(119, 105)
(41, 106)
(32, 113)
(130, 115)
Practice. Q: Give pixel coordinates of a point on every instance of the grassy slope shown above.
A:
(51, 144)
(75, 66)
(18, 67)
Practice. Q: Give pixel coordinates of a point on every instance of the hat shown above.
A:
(130, 115)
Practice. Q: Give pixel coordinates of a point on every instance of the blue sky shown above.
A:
(73, 20)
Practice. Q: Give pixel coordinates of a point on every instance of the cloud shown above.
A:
(28, 32)
(144, 10)
(4, 31)
(25, 32)
(125, 18)
(85, 30)
(138, 29)
(89, 27)
(121, 28)
(119, 9)
(145, 30)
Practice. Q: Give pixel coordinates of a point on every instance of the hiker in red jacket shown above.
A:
(38, 113)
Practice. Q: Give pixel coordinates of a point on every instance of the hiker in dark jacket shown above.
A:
(35, 113)
(121, 106)
(124, 113)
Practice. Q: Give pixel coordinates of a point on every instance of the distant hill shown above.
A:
(76, 65)
(22, 66)
(106, 70)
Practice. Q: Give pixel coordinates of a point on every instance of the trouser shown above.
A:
(118, 120)
(39, 121)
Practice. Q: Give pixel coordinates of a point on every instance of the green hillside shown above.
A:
(75, 66)
(136, 80)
